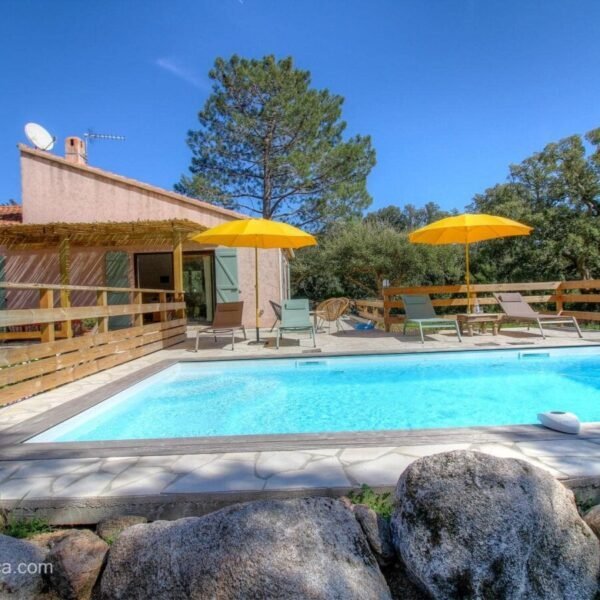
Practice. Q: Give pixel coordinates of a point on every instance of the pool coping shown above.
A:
(12, 446)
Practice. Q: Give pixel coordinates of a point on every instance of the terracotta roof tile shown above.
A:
(10, 213)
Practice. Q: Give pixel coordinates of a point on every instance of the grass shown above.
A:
(382, 504)
(23, 528)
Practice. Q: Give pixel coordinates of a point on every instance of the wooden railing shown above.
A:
(564, 297)
(369, 309)
(29, 368)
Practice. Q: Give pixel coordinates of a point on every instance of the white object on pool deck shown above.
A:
(565, 422)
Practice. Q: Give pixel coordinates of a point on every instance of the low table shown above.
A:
(481, 319)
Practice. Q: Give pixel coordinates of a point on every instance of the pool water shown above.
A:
(414, 391)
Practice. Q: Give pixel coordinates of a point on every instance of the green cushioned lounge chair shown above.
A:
(419, 311)
(295, 316)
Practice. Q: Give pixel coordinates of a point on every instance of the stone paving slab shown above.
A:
(290, 470)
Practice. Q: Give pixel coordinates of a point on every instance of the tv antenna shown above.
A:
(91, 136)
(39, 136)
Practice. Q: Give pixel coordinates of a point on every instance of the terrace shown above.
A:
(55, 378)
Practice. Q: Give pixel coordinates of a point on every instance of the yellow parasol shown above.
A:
(256, 233)
(467, 229)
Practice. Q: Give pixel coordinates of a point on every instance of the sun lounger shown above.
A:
(419, 311)
(227, 319)
(516, 309)
(295, 316)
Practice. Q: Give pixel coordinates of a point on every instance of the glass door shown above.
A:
(198, 285)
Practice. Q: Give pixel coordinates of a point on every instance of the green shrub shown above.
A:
(23, 528)
(382, 504)
(89, 323)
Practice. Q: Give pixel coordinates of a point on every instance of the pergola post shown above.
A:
(64, 262)
(178, 270)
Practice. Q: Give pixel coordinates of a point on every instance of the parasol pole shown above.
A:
(256, 292)
(468, 278)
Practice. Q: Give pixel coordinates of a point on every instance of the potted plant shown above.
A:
(89, 326)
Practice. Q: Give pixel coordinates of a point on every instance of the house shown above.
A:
(82, 225)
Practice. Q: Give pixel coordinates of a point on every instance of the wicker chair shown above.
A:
(331, 311)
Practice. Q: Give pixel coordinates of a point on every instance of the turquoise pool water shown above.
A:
(345, 394)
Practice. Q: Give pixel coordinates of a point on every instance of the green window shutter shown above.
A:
(117, 275)
(226, 275)
(2, 279)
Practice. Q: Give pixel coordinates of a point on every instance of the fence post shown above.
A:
(559, 299)
(47, 301)
(162, 298)
(138, 318)
(102, 300)
(386, 311)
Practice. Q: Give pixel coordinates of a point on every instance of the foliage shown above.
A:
(407, 217)
(353, 259)
(557, 192)
(272, 146)
(24, 528)
(382, 504)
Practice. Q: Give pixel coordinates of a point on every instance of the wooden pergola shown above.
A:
(64, 236)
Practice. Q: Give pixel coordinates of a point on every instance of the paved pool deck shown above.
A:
(182, 479)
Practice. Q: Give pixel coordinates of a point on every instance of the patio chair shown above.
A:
(516, 309)
(331, 311)
(295, 316)
(419, 311)
(277, 310)
(227, 319)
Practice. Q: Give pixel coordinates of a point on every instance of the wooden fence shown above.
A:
(564, 297)
(41, 361)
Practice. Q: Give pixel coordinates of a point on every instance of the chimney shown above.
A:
(75, 150)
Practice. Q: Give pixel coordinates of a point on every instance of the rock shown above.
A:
(111, 527)
(400, 584)
(377, 532)
(309, 548)
(76, 558)
(471, 525)
(592, 518)
(16, 556)
(46, 540)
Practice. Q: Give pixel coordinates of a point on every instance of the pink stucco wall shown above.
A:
(54, 190)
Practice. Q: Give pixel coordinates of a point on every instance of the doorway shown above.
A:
(154, 270)
(199, 286)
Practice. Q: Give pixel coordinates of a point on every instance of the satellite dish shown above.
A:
(39, 137)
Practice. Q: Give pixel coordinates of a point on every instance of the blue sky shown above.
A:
(451, 91)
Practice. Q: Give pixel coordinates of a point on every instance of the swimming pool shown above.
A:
(344, 394)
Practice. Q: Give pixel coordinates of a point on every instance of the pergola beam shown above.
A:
(35, 236)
